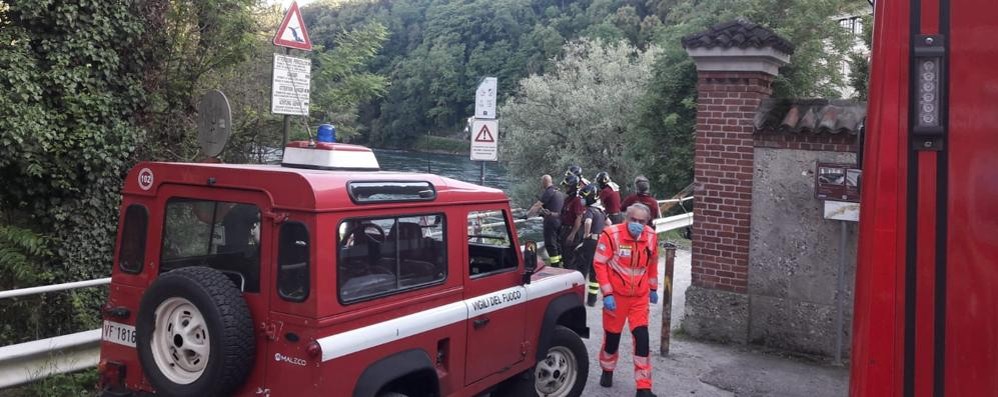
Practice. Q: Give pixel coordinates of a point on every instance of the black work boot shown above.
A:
(591, 300)
(645, 393)
(606, 380)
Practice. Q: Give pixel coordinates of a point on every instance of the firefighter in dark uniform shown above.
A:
(609, 195)
(549, 205)
(643, 195)
(571, 220)
(593, 222)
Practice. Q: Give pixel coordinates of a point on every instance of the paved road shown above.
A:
(701, 369)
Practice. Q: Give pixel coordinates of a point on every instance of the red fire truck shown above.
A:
(926, 311)
(326, 277)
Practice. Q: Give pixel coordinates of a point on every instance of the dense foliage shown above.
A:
(70, 88)
(437, 51)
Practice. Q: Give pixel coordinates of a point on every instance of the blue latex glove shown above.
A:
(653, 296)
(609, 303)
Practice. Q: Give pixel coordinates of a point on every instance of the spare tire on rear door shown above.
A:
(195, 334)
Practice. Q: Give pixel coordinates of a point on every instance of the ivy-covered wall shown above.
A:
(70, 84)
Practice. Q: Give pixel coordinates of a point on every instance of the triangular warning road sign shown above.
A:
(292, 32)
(484, 135)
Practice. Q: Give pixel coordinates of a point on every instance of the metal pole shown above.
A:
(287, 118)
(483, 174)
(840, 294)
(670, 260)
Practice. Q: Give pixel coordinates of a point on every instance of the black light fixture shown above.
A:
(928, 69)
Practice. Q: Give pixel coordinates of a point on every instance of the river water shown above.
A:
(458, 167)
(452, 166)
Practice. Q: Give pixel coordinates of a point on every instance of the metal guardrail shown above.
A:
(30, 361)
(663, 225)
(54, 288)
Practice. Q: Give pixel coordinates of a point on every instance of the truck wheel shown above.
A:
(194, 334)
(561, 373)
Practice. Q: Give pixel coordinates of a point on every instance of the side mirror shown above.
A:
(529, 260)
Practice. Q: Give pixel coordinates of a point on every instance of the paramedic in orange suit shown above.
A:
(626, 265)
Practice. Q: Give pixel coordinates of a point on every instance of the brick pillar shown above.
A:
(723, 171)
(736, 62)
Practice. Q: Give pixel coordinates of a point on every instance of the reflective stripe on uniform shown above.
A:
(627, 271)
(598, 257)
(593, 287)
(555, 259)
(642, 372)
(607, 289)
(608, 362)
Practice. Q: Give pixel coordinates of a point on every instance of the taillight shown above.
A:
(314, 350)
(112, 373)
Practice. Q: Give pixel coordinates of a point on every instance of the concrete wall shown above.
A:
(794, 255)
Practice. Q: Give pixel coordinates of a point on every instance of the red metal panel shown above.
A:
(972, 276)
(878, 318)
(925, 274)
(929, 17)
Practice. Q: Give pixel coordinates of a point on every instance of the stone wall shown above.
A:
(794, 255)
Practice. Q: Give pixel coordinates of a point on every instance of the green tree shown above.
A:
(581, 112)
(341, 82)
(186, 41)
(859, 62)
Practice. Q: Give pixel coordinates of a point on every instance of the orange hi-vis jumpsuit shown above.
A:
(627, 269)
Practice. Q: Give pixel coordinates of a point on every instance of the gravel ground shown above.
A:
(703, 369)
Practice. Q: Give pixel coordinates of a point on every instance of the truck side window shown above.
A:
(132, 252)
(380, 256)
(490, 243)
(220, 235)
(293, 262)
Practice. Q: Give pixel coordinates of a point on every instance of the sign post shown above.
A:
(292, 76)
(839, 186)
(485, 126)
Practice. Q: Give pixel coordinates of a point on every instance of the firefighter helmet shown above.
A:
(602, 179)
(570, 184)
(574, 170)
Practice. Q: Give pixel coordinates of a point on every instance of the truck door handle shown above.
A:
(479, 323)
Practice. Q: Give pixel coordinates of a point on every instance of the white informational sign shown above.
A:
(292, 82)
(485, 99)
(842, 211)
(485, 140)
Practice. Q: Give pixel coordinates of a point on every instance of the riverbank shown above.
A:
(439, 145)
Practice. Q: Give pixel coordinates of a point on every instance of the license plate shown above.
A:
(122, 334)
